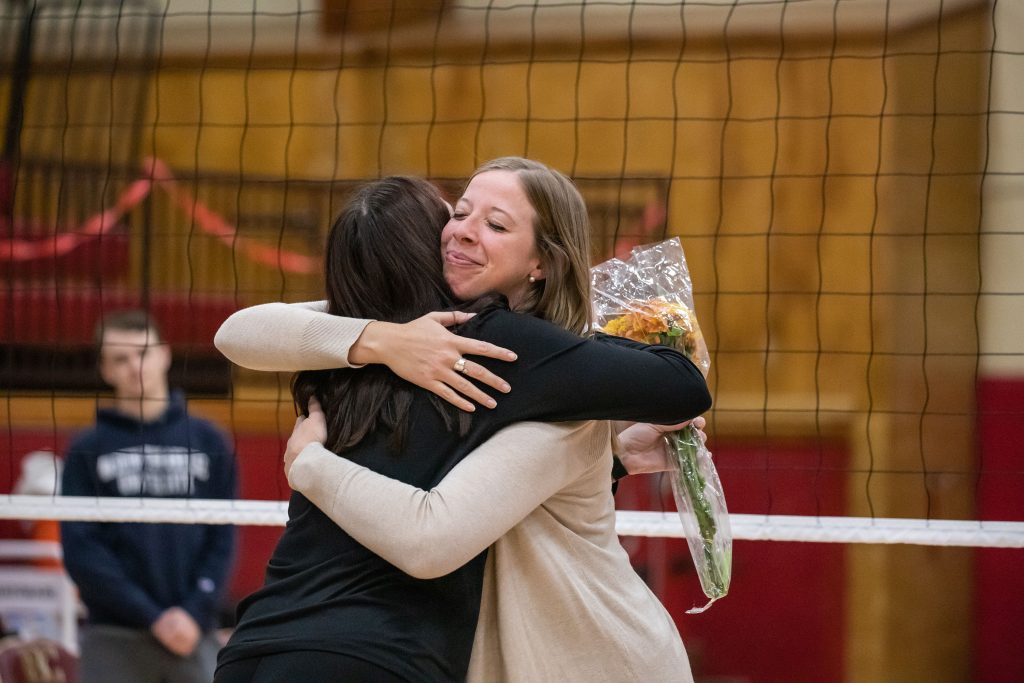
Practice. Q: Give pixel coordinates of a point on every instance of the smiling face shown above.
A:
(489, 244)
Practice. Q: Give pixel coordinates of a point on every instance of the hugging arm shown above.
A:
(293, 337)
(428, 534)
(563, 377)
(288, 337)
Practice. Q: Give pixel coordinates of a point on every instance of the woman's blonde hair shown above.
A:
(562, 230)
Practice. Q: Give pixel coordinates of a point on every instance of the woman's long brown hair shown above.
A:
(382, 262)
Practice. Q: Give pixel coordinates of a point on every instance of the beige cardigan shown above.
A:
(561, 601)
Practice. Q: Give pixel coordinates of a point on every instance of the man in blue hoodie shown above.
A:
(152, 590)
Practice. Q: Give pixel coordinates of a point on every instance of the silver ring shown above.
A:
(460, 365)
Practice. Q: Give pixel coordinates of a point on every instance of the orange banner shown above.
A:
(156, 172)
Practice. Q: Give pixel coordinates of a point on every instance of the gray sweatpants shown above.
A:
(113, 653)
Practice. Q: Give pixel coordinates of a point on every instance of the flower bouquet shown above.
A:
(649, 298)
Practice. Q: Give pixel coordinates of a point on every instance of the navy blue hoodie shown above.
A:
(129, 573)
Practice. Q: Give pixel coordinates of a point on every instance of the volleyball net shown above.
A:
(744, 527)
(846, 180)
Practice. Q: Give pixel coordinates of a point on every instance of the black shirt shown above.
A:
(325, 591)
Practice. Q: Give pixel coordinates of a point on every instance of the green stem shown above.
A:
(686, 447)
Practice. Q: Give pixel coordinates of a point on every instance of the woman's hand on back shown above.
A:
(307, 430)
(425, 353)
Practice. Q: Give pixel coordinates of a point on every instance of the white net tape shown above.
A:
(174, 510)
(628, 523)
(838, 529)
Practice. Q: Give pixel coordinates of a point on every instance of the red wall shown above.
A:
(999, 573)
(261, 477)
(782, 620)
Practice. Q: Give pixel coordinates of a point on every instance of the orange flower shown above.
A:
(650, 322)
(658, 322)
